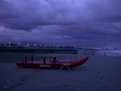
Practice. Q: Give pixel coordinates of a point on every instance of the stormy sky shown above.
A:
(72, 22)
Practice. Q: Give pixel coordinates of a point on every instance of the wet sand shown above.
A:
(100, 73)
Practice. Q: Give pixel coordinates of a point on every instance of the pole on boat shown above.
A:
(32, 58)
(44, 60)
(25, 58)
(50, 59)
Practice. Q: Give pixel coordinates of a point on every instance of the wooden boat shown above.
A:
(53, 65)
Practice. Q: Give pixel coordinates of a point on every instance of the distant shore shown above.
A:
(39, 50)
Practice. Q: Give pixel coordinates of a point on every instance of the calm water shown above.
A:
(100, 52)
(14, 57)
(109, 53)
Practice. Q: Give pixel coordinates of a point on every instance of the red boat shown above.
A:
(52, 64)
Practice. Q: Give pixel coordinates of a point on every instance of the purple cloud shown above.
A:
(71, 22)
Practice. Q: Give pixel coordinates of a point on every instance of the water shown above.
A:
(110, 52)
(92, 52)
(15, 57)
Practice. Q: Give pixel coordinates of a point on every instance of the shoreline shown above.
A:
(40, 50)
(100, 73)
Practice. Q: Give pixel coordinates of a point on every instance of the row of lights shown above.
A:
(28, 45)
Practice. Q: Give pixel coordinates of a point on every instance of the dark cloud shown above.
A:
(31, 14)
(77, 21)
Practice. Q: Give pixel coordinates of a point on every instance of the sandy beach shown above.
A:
(100, 73)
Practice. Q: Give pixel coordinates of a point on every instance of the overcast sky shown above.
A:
(73, 22)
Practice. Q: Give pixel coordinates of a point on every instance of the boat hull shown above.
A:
(51, 65)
